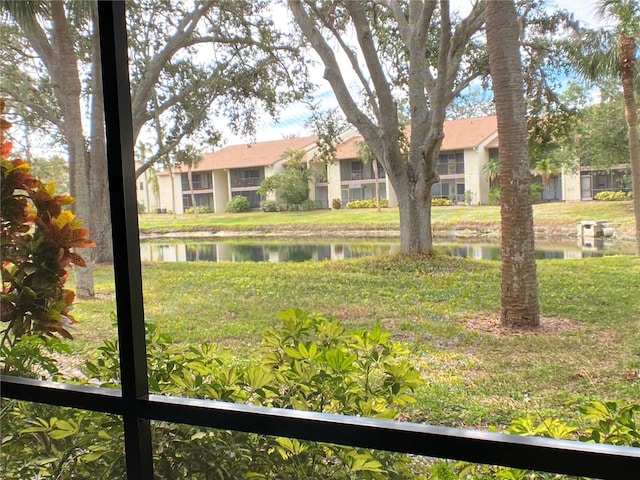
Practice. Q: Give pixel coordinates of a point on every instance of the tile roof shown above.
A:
(458, 135)
(259, 154)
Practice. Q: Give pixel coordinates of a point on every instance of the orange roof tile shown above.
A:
(348, 149)
(259, 154)
(458, 135)
(468, 132)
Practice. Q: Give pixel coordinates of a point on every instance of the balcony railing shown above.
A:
(246, 182)
(450, 169)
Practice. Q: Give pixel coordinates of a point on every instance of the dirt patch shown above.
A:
(548, 326)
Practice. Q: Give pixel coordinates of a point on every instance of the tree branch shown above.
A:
(380, 82)
(332, 72)
(353, 60)
(38, 108)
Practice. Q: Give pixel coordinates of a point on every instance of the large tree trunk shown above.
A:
(519, 299)
(415, 221)
(68, 79)
(100, 220)
(374, 166)
(627, 61)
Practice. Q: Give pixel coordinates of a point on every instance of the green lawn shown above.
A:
(476, 374)
(547, 215)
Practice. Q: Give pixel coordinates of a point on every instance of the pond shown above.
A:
(296, 250)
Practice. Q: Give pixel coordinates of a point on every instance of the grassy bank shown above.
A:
(550, 216)
(445, 308)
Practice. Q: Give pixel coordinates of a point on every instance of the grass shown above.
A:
(473, 377)
(546, 215)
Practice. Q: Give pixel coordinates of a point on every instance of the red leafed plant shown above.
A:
(37, 238)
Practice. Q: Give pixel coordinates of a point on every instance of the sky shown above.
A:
(291, 121)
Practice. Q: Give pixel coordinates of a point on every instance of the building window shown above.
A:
(356, 170)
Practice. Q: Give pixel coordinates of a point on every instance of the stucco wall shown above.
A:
(333, 174)
(165, 201)
(475, 179)
(571, 186)
(221, 190)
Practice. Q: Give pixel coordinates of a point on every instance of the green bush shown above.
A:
(238, 204)
(309, 204)
(308, 362)
(442, 202)
(536, 190)
(336, 203)
(201, 209)
(612, 196)
(371, 203)
(494, 196)
(270, 206)
(608, 423)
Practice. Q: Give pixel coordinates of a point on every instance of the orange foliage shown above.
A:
(37, 238)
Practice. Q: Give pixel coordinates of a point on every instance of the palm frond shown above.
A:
(23, 11)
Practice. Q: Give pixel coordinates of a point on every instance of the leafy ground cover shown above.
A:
(475, 373)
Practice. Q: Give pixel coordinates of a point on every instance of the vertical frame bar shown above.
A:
(126, 248)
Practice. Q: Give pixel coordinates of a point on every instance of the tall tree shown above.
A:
(291, 185)
(367, 157)
(55, 68)
(519, 285)
(189, 157)
(605, 54)
(54, 43)
(413, 48)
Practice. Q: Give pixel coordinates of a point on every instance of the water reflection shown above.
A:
(259, 252)
(292, 251)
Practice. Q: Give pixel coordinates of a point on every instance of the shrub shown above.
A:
(494, 196)
(200, 209)
(270, 206)
(371, 203)
(238, 204)
(308, 362)
(336, 203)
(37, 238)
(608, 423)
(442, 202)
(612, 196)
(309, 204)
(536, 190)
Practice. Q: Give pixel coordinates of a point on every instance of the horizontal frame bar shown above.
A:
(532, 453)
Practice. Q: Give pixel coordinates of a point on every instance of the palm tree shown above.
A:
(605, 54)
(154, 181)
(366, 156)
(519, 286)
(546, 168)
(491, 169)
(189, 157)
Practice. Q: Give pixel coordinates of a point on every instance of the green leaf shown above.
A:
(92, 457)
(258, 377)
(60, 434)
